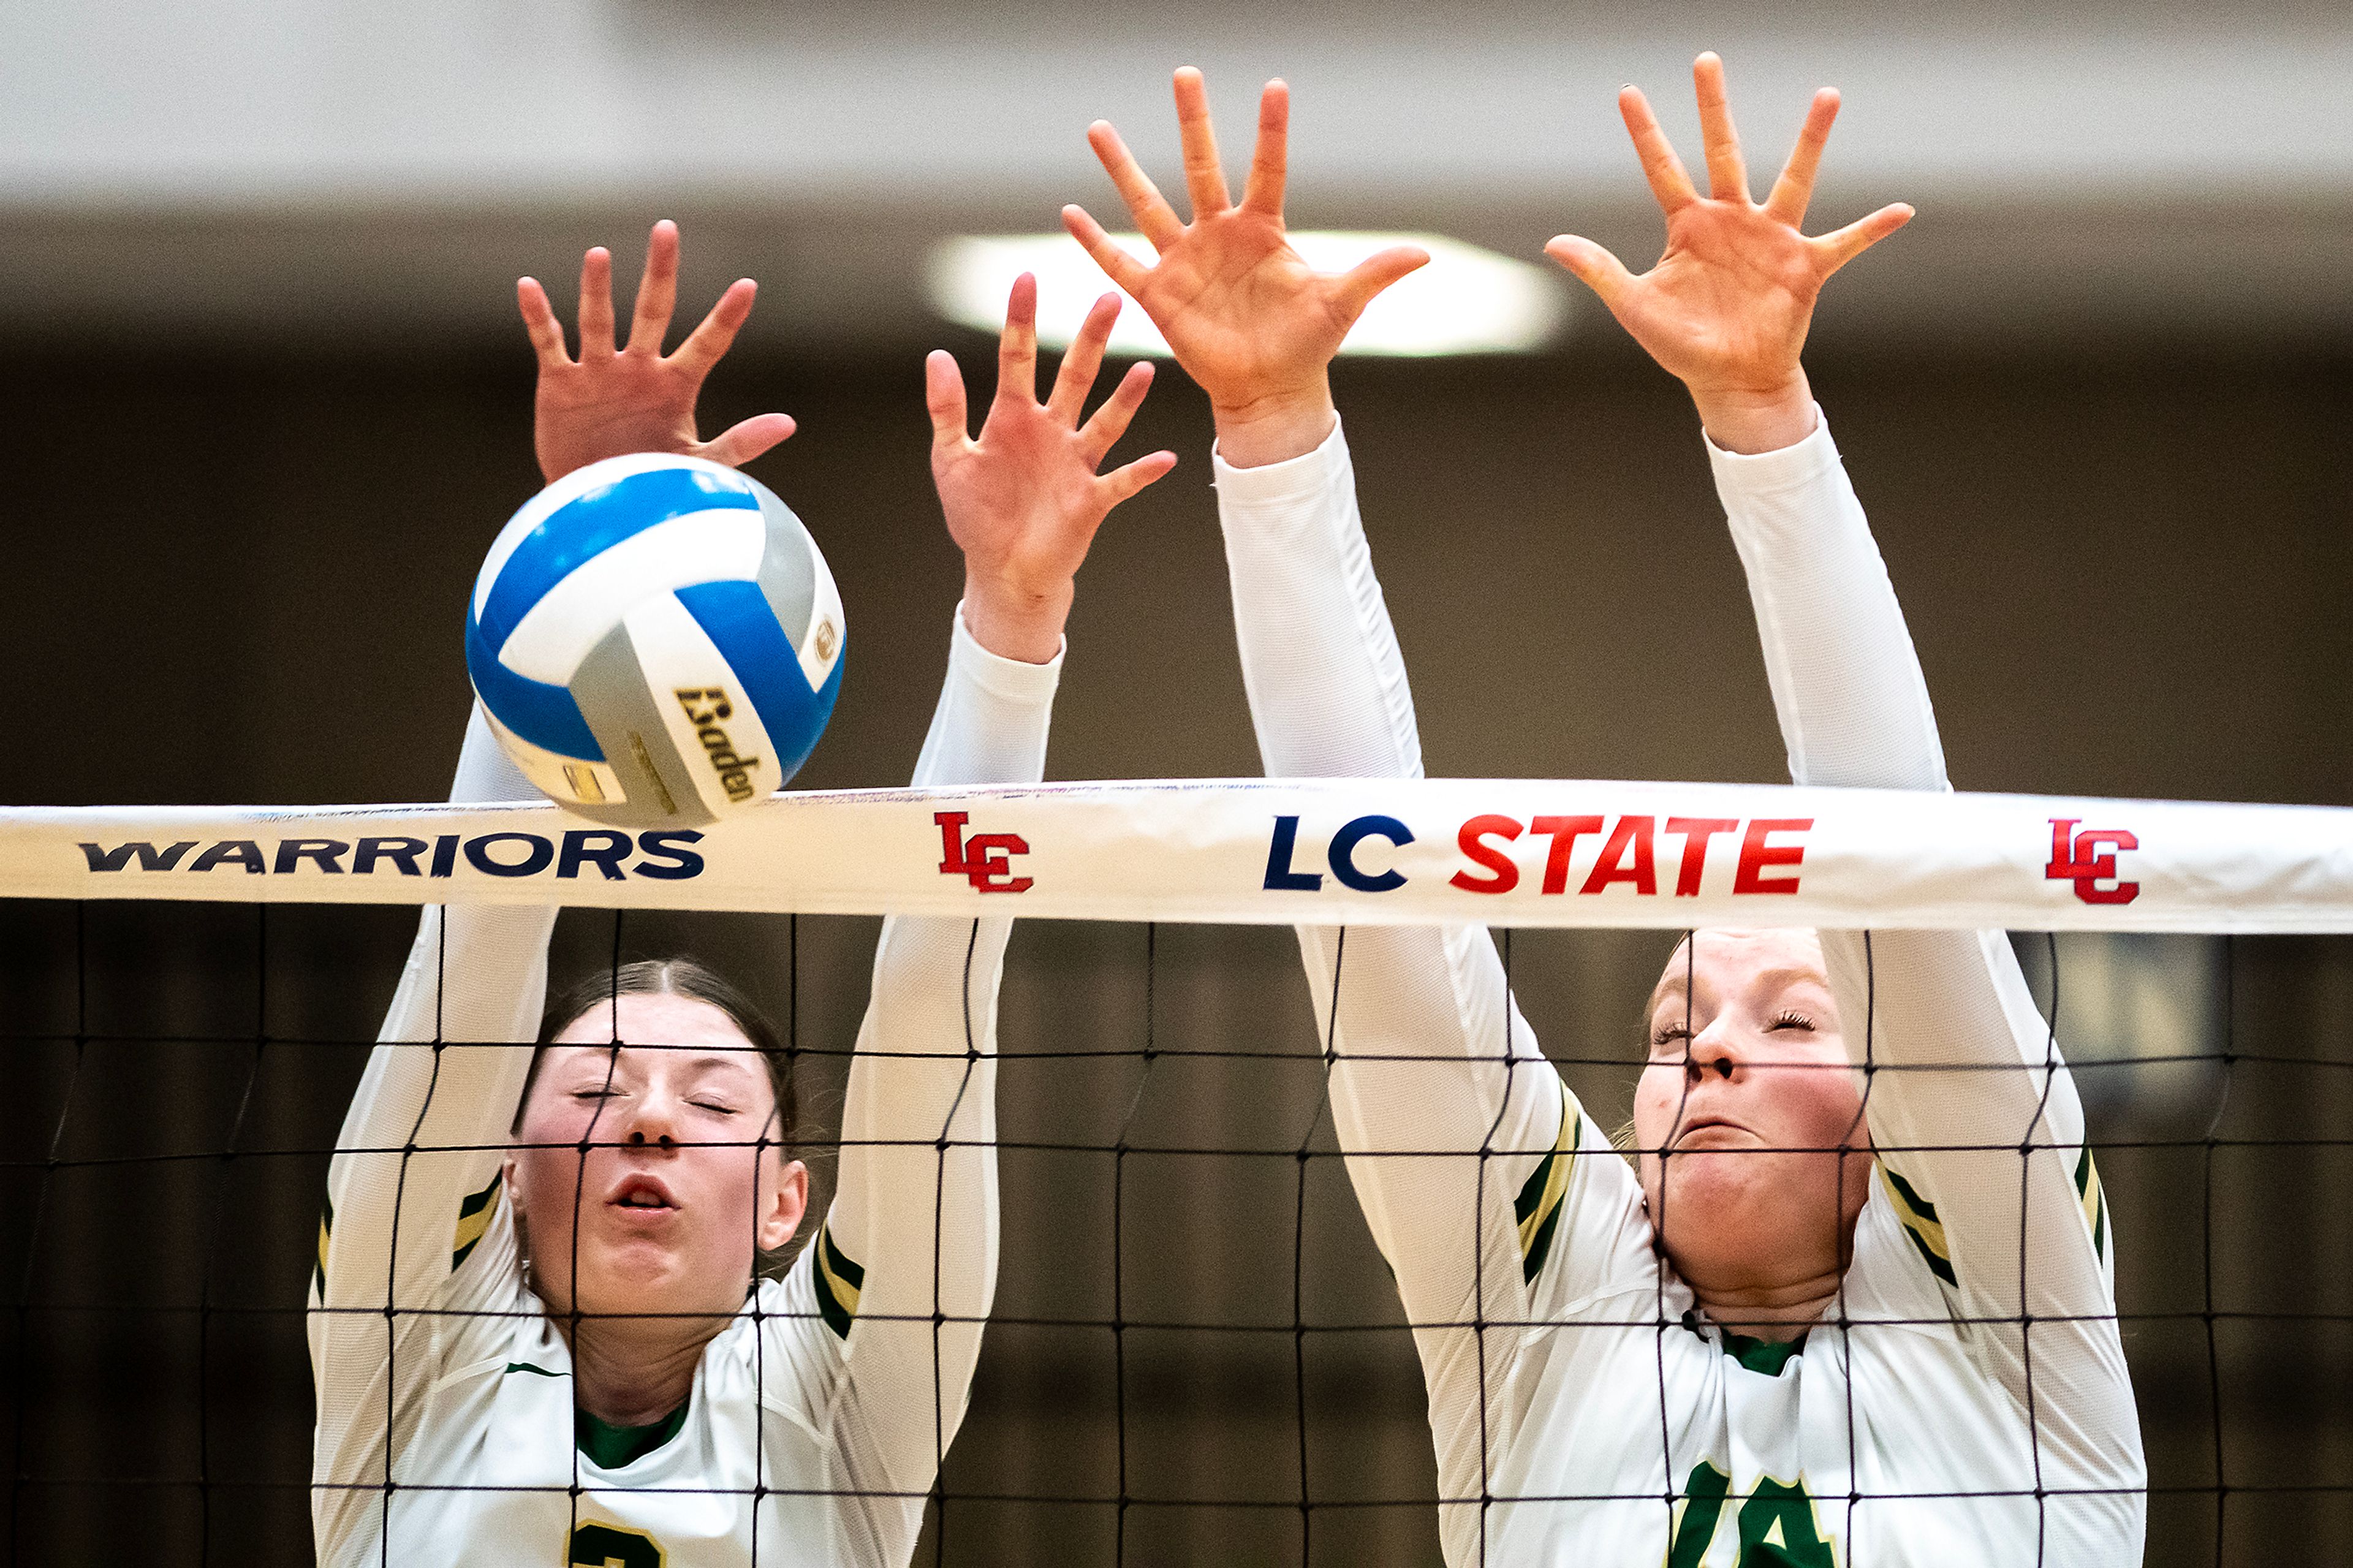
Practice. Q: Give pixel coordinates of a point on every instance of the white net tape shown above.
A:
(1327, 852)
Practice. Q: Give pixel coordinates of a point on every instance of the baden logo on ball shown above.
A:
(656, 641)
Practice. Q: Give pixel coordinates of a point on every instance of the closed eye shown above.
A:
(1667, 1034)
(719, 1110)
(1789, 1020)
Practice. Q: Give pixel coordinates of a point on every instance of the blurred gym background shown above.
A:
(266, 401)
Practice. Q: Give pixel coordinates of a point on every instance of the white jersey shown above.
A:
(818, 1416)
(1965, 1400)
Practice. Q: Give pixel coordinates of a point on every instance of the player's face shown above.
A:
(663, 1211)
(1748, 1090)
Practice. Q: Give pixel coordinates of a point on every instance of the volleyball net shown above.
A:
(1327, 852)
(1196, 1350)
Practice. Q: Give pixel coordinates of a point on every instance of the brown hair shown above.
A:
(673, 977)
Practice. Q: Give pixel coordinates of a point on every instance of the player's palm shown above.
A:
(624, 402)
(1727, 306)
(1023, 500)
(612, 400)
(1730, 299)
(1240, 308)
(1244, 313)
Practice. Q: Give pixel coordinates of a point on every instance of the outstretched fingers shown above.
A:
(656, 292)
(1669, 180)
(1794, 191)
(1017, 345)
(1118, 266)
(715, 333)
(1204, 177)
(1082, 361)
(739, 444)
(1124, 482)
(1150, 210)
(1592, 265)
(539, 321)
(597, 304)
(1099, 435)
(944, 396)
(1727, 172)
(1270, 160)
(1360, 284)
(1842, 246)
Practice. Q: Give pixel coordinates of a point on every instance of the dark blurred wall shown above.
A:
(240, 578)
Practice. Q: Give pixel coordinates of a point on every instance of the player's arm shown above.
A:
(415, 1212)
(912, 1228)
(1451, 1116)
(1727, 310)
(415, 1179)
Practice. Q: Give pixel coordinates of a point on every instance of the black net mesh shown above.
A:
(1196, 1352)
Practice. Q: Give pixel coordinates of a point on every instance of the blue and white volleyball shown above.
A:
(656, 640)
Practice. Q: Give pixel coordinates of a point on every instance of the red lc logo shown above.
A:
(982, 859)
(2088, 859)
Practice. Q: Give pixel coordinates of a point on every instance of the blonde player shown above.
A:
(537, 1334)
(1829, 1316)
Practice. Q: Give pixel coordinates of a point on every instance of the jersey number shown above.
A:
(603, 1546)
(1777, 1524)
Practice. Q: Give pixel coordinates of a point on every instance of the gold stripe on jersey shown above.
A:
(326, 1227)
(1537, 1208)
(1921, 1223)
(474, 1219)
(2094, 1199)
(838, 1281)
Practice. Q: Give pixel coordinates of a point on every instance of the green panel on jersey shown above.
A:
(838, 1281)
(474, 1219)
(605, 1546)
(1537, 1208)
(1768, 1356)
(613, 1446)
(1921, 1223)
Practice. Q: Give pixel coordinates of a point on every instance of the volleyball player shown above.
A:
(540, 1331)
(1826, 1316)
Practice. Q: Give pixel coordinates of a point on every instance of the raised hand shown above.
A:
(1249, 320)
(1727, 307)
(1024, 501)
(609, 402)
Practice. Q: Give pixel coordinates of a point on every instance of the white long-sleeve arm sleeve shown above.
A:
(1481, 1178)
(2010, 1238)
(914, 1226)
(417, 1161)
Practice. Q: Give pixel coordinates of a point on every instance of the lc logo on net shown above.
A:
(2088, 860)
(984, 860)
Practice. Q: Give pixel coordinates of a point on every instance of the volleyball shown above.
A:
(656, 640)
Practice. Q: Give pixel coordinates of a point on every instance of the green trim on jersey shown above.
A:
(1768, 1356)
(526, 1366)
(838, 1282)
(2094, 1198)
(1921, 1223)
(611, 1447)
(326, 1228)
(1537, 1208)
(474, 1219)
